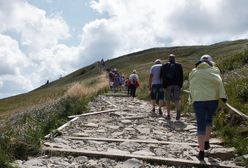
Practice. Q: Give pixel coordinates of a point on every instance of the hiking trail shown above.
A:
(119, 132)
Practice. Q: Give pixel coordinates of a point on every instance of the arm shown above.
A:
(181, 76)
(150, 82)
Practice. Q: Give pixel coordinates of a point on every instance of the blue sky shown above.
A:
(41, 40)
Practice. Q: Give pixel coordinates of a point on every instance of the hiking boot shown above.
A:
(152, 113)
(207, 145)
(168, 117)
(160, 112)
(178, 115)
(201, 155)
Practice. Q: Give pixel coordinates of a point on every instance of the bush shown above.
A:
(232, 62)
(242, 93)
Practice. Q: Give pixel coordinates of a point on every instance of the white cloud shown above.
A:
(167, 22)
(36, 30)
(12, 58)
(30, 48)
(31, 41)
(1, 84)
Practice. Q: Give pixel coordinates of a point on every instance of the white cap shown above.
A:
(206, 58)
(157, 61)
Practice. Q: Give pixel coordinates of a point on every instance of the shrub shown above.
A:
(232, 62)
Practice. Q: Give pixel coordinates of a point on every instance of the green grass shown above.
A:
(21, 136)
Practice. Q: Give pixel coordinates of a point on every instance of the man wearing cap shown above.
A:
(156, 87)
(206, 88)
(172, 77)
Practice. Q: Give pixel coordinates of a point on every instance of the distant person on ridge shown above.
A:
(134, 82)
(172, 77)
(206, 88)
(156, 87)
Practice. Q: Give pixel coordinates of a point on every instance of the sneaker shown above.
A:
(201, 155)
(152, 113)
(168, 117)
(178, 115)
(160, 112)
(207, 145)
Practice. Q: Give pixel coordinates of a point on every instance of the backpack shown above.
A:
(170, 71)
(133, 80)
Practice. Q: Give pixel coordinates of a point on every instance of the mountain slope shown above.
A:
(141, 61)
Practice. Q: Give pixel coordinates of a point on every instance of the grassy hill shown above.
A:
(48, 106)
(141, 61)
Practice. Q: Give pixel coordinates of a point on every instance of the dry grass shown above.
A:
(82, 90)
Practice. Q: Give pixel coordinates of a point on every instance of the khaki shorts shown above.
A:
(172, 93)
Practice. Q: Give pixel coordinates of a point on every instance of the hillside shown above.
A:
(141, 61)
(39, 112)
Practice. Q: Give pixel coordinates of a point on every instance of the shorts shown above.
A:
(157, 92)
(172, 93)
(204, 111)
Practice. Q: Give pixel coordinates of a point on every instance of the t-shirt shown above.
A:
(155, 71)
(133, 78)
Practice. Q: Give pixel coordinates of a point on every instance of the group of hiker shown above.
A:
(165, 85)
(206, 89)
(118, 82)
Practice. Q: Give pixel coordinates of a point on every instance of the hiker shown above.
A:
(134, 83)
(127, 85)
(156, 87)
(206, 88)
(116, 79)
(172, 78)
(111, 80)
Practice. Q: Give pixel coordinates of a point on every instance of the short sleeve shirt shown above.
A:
(155, 72)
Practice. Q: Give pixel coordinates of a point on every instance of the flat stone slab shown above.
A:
(131, 163)
(146, 131)
(91, 125)
(113, 127)
(126, 121)
(143, 153)
(114, 151)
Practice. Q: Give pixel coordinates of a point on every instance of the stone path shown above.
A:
(126, 136)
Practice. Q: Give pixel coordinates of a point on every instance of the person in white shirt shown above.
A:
(156, 87)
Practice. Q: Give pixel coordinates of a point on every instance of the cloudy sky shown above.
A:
(42, 40)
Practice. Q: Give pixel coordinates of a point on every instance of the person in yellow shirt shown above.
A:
(206, 88)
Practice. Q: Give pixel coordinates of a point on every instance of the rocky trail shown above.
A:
(118, 132)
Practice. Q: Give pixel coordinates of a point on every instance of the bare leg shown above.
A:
(153, 104)
(208, 133)
(161, 103)
(168, 107)
(201, 139)
(178, 105)
(178, 109)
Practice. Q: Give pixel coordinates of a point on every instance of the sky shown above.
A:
(43, 40)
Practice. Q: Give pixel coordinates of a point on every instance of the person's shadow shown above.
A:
(175, 125)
